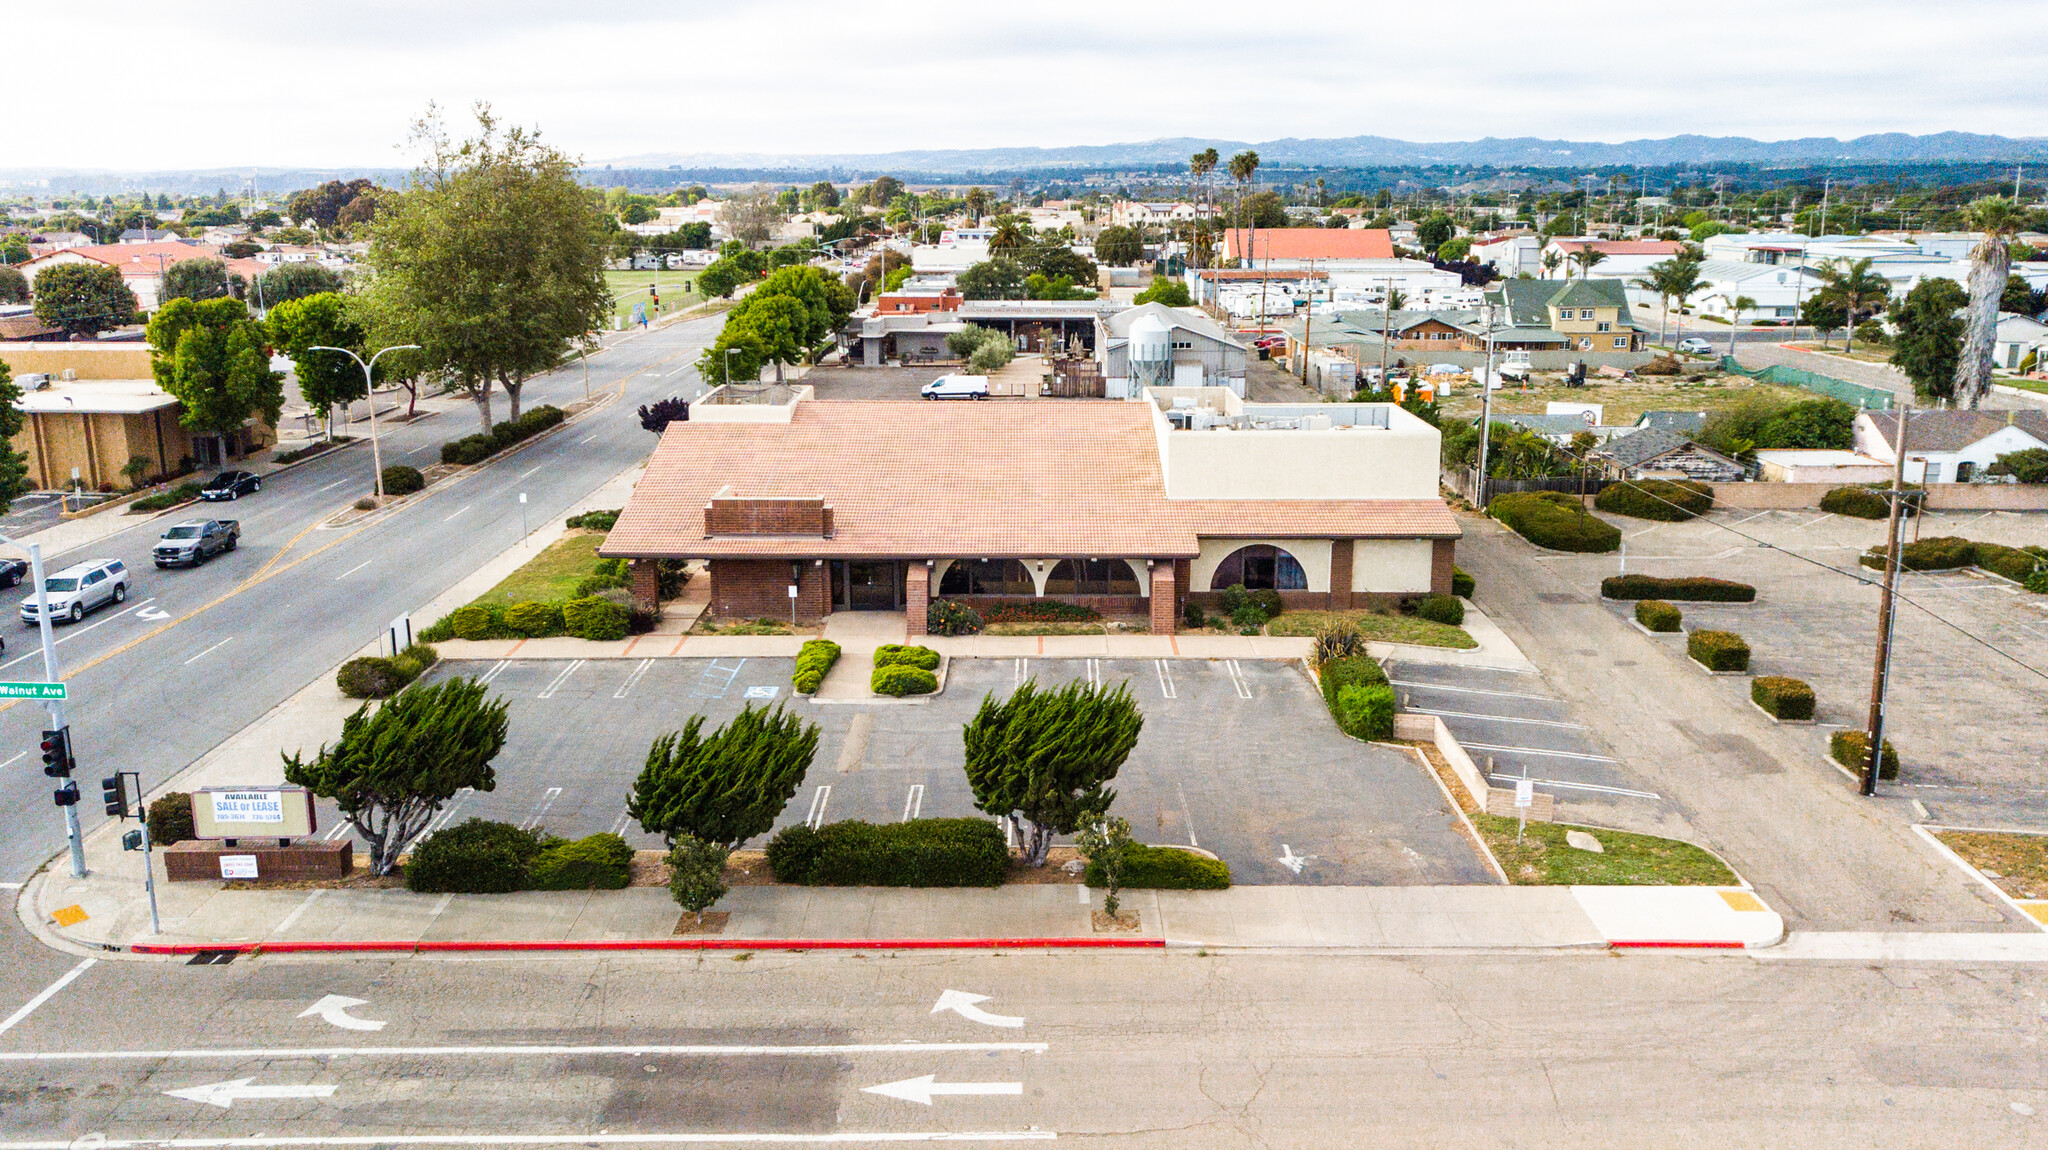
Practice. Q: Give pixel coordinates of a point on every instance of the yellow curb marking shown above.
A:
(1741, 900)
(69, 916)
(2037, 910)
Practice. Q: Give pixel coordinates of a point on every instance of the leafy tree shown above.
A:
(825, 194)
(721, 278)
(13, 464)
(1435, 231)
(1059, 287)
(1106, 844)
(240, 250)
(393, 768)
(83, 299)
(729, 787)
(264, 219)
(1046, 757)
(2028, 466)
(195, 279)
(752, 218)
(1265, 210)
(997, 278)
(737, 354)
(656, 417)
(1454, 249)
(696, 874)
(13, 285)
(323, 206)
(295, 281)
(884, 191)
(1824, 424)
(1053, 257)
(491, 260)
(1998, 220)
(326, 379)
(13, 249)
(1166, 290)
(638, 214)
(1701, 233)
(2020, 298)
(1823, 312)
(690, 237)
(1119, 246)
(778, 323)
(215, 360)
(1930, 339)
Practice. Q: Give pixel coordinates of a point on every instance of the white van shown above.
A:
(956, 387)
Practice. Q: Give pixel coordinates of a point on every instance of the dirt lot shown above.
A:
(1624, 399)
(872, 382)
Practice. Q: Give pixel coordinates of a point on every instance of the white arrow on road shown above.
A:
(1292, 861)
(923, 1089)
(334, 1008)
(962, 1003)
(226, 1094)
(152, 614)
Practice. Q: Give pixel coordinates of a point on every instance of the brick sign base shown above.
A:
(198, 860)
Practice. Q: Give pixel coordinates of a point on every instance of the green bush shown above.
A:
(1269, 602)
(1937, 553)
(1249, 617)
(1036, 611)
(1365, 712)
(1657, 615)
(922, 852)
(898, 679)
(1349, 671)
(477, 448)
(1165, 868)
(1554, 520)
(474, 857)
(1194, 617)
(1687, 589)
(479, 621)
(170, 818)
(2038, 583)
(1852, 750)
(599, 862)
(1718, 650)
(439, 631)
(532, 620)
(416, 659)
(813, 660)
(946, 617)
(1782, 698)
(467, 450)
(594, 618)
(2027, 466)
(597, 584)
(402, 480)
(1462, 583)
(1856, 502)
(2015, 563)
(1441, 609)
(595, 520)
(1234, 598)
(897, 654)
(182, 493)
(1670, 500)
(372, 677)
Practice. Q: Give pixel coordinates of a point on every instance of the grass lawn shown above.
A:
(764, 626)
(629, 288)
(1623, 400)
(2023, 384)
(552, 575)
(1383, 628)
(2017, 863)
(1879, 354)
(1544, 859)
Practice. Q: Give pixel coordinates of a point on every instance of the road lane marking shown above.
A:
(925, 1087)
(1579, 786)
(226, 1094)
(540, 809)
(260, 1142)
(1500, 750)
(549, 691)
(1496, 718)
(968, 1006)
(819, 798)
(209, 650)
(529, 471)
(240, 1054)
(49, 992)
(465, 507)
(353, 570)
(329, 487)
(913, 801)
(75, 633)
(586, 439)
(17, 758)
(633, 678)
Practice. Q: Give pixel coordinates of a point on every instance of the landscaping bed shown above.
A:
(1375, 626)
(1555, 521)
(2017, 863)
(1543, 858)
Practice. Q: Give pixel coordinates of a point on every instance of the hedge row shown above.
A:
(813, 660)
(1554, 520)
(1871, 502)
(1441, 609)
(1037, 611)
(1462, 583)
(603, 616)
(1165, 868)
(1852, 750)
(2024, 565)
(899, 679)
(922, 852)
(1356, 691)
(1687, 589)
(947, 617)
(1718, 650)
(1781, 697)
(477, 448)
(1671, 500)
(481, 857)
(898, 654)
(1657, 615)
(375, 677)
(594, 520)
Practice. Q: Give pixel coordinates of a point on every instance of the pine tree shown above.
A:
(1047, 757)
(729, 787)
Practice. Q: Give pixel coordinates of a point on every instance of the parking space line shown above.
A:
(1497, 718)
(1186, 817)
(1095, 672)
(711, 686)
(913, 802)
(633, 678)
(1473, 691)
(540, 809)
(1165, 679)
(1244, 689)
(447, 812)
(1017, 675)
(619, 824)
(549, 691)
(209, 650)
(493, 673)
(1539, 751)
(1579, 787)
(819, 798)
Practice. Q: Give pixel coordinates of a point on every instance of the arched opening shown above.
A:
(1260, 567)
(1091, 577)
(987, 577)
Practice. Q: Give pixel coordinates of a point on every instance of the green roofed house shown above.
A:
(1586, 317)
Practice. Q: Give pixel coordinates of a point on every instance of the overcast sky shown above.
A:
(203, 83)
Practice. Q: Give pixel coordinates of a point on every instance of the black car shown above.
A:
(12, 572)
(231, 485)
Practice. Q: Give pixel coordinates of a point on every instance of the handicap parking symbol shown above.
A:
(762, 692)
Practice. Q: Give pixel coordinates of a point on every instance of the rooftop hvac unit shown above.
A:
(69, 375)
(1316, 423)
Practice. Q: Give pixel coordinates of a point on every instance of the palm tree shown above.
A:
(1664, 280)
(1998, 218)
(977, 203)
(1201, 164)
(1585, 256)
(1008, 237)
(1243, 166)
(1736, 307)
(1550, 261)
(1859, 289)
(1319, 192)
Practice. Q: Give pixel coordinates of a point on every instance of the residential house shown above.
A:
(1133, 509)
(1795, 465)
(1586, 316)
(2019, 339)
(1777, 289)
(1948, 445)
(920, 336)
(1511, 255)
(1142, 214)
(1676, 422)
(1653, 454)
(141, 265)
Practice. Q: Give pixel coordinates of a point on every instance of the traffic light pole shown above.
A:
(58, 720)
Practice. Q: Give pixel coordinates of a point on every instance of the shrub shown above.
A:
(2014, 563)
(1165, 868)
(1856, 502)
(1938, 553)
(1194, 617)
(371, 678)
(595, 520)
(1687, 589)
(1354, 670)
(1852, 750)
(402, 480)
(478, 621)
(639, 620)
(899, 680)
(1249, 617)
(1269, 602)
(2038, 583)
(1340, 640)
(897, 654)
(1234, 597)
(475, 857)
(467, 450)
(593, 618)
(1657, 615)
(170, 818)
(1782, 698)
(1365, 712)
(1554, 520)
(2027, 466)
(599, 862)
(1462, 583)
(477, 448)
(1718, 650)
(416, 659)
(813, 660)
(439, 631)
(1442, 609)
(1671, 500)
(531, 620)
(947, 617)
(922, 852)
(182, 493)
(696, 873)
(1037, 611)
(365, 504)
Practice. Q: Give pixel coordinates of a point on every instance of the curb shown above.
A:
(789, 944)
(1673, 944)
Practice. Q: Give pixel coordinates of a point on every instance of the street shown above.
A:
(196, 654)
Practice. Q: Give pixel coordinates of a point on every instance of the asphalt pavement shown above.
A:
(196, 654)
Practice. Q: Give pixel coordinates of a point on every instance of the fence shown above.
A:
(1465, 481)
(1868, 398)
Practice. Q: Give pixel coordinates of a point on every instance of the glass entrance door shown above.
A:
(874, 586)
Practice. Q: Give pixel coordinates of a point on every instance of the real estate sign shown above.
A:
(252, 812)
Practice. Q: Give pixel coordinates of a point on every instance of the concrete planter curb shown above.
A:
(1706, 670)
(1779, 721)
(1637, 624)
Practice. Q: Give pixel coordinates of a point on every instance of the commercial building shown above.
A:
(1132, 508)
(1153, 345)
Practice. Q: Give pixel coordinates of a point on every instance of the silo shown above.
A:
(1151, 351)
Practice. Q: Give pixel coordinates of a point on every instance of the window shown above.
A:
(987, 577)
(1585, 313)
(1260, 567)
(1091, 577)
(1621, 341)
(1604, 326)
(1585, 343)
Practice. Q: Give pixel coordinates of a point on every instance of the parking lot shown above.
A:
(1237, 757)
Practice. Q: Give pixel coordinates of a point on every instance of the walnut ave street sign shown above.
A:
(40, 692)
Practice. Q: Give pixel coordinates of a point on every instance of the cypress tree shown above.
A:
(1046, 757)
(729, 787)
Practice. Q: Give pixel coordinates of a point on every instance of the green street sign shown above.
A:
(40, 692)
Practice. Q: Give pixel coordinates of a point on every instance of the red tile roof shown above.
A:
(1310, 244)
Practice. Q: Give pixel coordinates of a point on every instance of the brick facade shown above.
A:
(1164, 617)
(917, 596)
(759, 588)
(644, 577)
(1340, 574)
(767, 517)
(198, 860)
(1441, 557)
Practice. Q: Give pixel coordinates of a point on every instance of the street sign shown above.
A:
(40, 692)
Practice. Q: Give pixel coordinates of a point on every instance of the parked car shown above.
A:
(12, 572)
(1694, 345)
(956, 387)
(193, 542)
(231, 485)
(80, 588)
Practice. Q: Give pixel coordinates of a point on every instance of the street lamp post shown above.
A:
(58, 720)
(369, 392)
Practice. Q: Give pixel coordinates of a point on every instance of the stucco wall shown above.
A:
(1392, 565)
(1940, 496)
(1350, 463)
(123, 360)
(1312, 554)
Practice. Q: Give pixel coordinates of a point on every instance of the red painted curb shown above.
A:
(663, 944)
(1672, 944)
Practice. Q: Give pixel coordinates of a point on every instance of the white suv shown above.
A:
(78, 589)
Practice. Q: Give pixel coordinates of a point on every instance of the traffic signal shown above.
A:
(114, 793)
(57, 753)
(132, 841)
(67, 795)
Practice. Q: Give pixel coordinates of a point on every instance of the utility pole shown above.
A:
(1486, 405)
(1881, 674)
(1308, 326)
(1386, 324)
